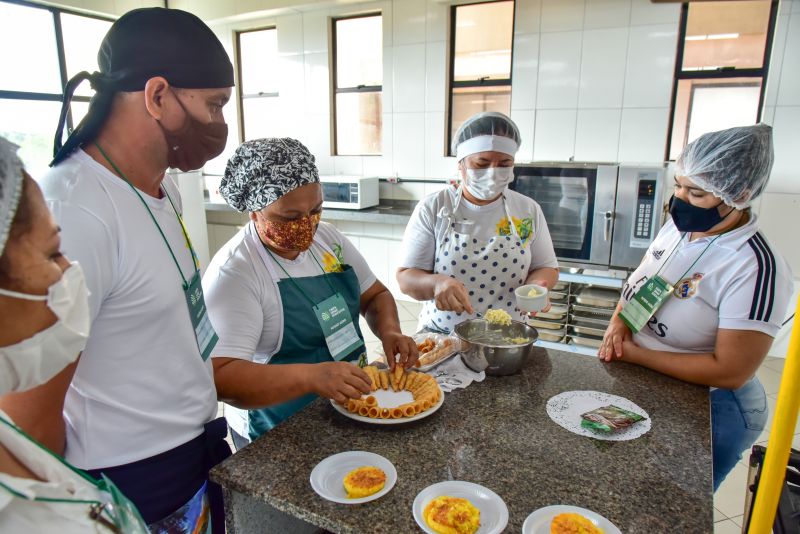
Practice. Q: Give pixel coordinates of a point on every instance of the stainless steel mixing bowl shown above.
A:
(494, 358)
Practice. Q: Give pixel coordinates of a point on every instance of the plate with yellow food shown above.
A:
(563, 519)
(396, 397)
(353, 477)
(459, 507)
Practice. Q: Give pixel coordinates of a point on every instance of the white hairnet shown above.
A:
(496, 128)
(10, 187)
(732, 164)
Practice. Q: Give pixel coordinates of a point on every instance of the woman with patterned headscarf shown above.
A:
(288, 289)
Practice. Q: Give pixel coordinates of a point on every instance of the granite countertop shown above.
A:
(387, 212)
(497, 433)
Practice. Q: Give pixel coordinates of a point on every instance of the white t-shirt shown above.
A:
(141, 387)
(244, 301)
(739, 283)
(57, 482)
(419, 240)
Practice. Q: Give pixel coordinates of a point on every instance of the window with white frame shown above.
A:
(43, 47)
(259, 102)
(357, 61)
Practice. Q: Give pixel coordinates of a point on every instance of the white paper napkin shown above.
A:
(453, 374)
(566, 409)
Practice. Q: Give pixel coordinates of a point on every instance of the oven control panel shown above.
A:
(645, 210)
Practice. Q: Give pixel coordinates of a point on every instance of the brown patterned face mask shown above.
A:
(296, 235)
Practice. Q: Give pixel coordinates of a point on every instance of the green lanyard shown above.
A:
(693, 263)
(97, 507)
(160, 231)
(309, 299)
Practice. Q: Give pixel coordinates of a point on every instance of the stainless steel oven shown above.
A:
(599, 215)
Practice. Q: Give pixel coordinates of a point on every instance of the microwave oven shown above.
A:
(349, 192)
(599, 215)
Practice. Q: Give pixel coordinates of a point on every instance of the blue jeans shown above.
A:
(737, 419)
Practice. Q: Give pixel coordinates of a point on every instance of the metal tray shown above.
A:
(561, 286)
(547, 325)
(597, 296)
(591, 322)
(556, 312)
(588, 311)
(555, 296)
(557, 338)
(587, 341)
(585, 330)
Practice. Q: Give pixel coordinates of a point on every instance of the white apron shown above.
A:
(489, 269)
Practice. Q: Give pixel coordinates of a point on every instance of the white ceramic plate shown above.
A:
(539, 521)
(389, 399)
(494, 512)
(327, 478)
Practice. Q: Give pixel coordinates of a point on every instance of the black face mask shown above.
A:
(688, 218)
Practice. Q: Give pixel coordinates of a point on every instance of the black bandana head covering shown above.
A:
(142, 44)
(263, 170)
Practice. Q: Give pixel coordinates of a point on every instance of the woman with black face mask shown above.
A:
(711, 293)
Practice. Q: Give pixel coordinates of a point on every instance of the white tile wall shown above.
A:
(290, 34)
(602, 76)
(562, 15)
(789, 91)
(525, 71)
(647, 12)
(554, 139)
(349, 165)
(527, 16)
(525, 120)
(607, 14)
(776, 61)
(409, 78)
(408, 18)
(643, 135)
(597, 135)
(651, 60)
(559, 70)
(786, 172)
(437, 14)
(436, 164)
(409, 144)
(435, 76)
(315, 31)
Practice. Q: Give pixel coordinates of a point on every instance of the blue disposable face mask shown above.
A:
(689, 218)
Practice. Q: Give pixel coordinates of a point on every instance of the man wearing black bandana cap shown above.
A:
(141, 406)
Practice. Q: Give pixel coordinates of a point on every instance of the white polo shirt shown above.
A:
(739, 283)
(141, 387)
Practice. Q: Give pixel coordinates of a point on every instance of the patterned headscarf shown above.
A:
(10, 188)
(263, 170)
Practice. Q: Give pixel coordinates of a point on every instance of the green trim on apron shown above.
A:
(303, 340)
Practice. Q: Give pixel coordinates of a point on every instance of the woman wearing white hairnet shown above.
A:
(44, 324)
(467, 248)
(720, 290)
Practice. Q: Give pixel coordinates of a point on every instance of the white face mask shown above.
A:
(36, 360)
(487, 184)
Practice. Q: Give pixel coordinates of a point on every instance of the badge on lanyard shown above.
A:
(653, 294)
(337, 326)
(203, 330)
(645, 302)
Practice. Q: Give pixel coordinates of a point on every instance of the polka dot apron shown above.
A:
(489, 269)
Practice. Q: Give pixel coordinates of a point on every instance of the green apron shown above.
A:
(303, 340)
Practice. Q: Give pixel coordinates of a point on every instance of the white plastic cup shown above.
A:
(528, 303)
